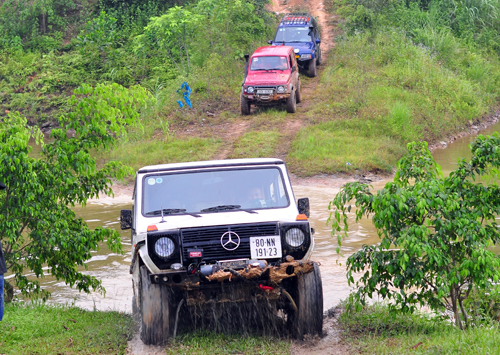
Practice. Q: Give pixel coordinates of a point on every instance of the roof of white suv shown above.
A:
(210, 164)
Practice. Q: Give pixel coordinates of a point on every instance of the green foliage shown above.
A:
(376, 330)
(377, 319)
(101, 35)
(38, 24)
(38, 229)
(170, 34)
(474, 21)
(53, 329)
(435, 232)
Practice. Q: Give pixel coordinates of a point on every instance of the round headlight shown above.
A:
(281, 89)
(294, 237)
(164, 247)
(250, 89)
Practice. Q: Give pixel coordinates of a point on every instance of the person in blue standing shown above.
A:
(3, 270)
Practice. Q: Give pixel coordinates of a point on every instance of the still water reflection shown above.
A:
(113, 269)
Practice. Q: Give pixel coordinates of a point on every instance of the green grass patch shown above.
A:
(257, 144)
(53, 329)
(218, 344)
(343, 146)
(379, 93)
(171, 150)
(375, 330)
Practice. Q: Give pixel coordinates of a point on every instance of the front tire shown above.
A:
(311, 70)
(309, 300)
(157, 311)
(291, 102)
(318, 58)
(244, 105)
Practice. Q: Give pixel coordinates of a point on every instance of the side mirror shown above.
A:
(303, 206)
(318, 41)
(126, 219)
(270, 41)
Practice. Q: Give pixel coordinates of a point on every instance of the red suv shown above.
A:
(271, 77)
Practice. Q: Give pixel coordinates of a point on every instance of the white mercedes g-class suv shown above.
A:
(216, 232)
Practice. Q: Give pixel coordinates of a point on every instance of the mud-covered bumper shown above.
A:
(271, 275)
(267, 99)
(254, 283)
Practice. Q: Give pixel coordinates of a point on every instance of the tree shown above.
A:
(38, 229)
(435, 232)
(101, 34)
(171, 34)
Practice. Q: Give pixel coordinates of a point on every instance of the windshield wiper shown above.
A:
(171, 211)
(221, 208)
(165, 211)
(227, 208)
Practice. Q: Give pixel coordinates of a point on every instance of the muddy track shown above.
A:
(230, 131)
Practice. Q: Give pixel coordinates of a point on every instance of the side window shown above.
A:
(292, 63)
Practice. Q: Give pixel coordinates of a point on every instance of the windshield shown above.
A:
(269, 63)
(213, 191)
(293, 34)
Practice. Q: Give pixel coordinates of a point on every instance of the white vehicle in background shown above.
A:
(201, 229)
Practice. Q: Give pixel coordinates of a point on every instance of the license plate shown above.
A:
(265, 247)
(267, 92)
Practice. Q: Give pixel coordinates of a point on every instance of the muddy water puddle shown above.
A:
(113, 269)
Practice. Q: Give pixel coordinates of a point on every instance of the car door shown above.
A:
(295, 72)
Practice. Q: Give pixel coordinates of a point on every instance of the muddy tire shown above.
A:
(245, 105)
(309, 300)
(291, 102)
(311, 70)
(157, 311)
(318, 57)
(298, 97)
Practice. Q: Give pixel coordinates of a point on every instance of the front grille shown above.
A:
(208, 239)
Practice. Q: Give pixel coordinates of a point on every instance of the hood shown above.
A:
(306, 47)
(287, 214)
(277, 77)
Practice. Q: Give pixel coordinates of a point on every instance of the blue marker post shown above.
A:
(185, 95)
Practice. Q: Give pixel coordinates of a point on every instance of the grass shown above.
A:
(217, 344)
(169, 150)
(375, 330)
(256, 144)
(54, 329)
(44, 329)
(381, 92)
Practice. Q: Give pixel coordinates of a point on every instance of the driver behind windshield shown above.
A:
(294, 34)
(269, 63)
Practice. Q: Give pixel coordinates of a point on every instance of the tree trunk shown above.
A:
(464, 312)
(453, 294)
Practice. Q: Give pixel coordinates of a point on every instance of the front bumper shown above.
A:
(271, 275)
(230, 285)
(267, 99)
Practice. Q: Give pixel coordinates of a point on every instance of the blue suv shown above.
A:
(300, 30)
